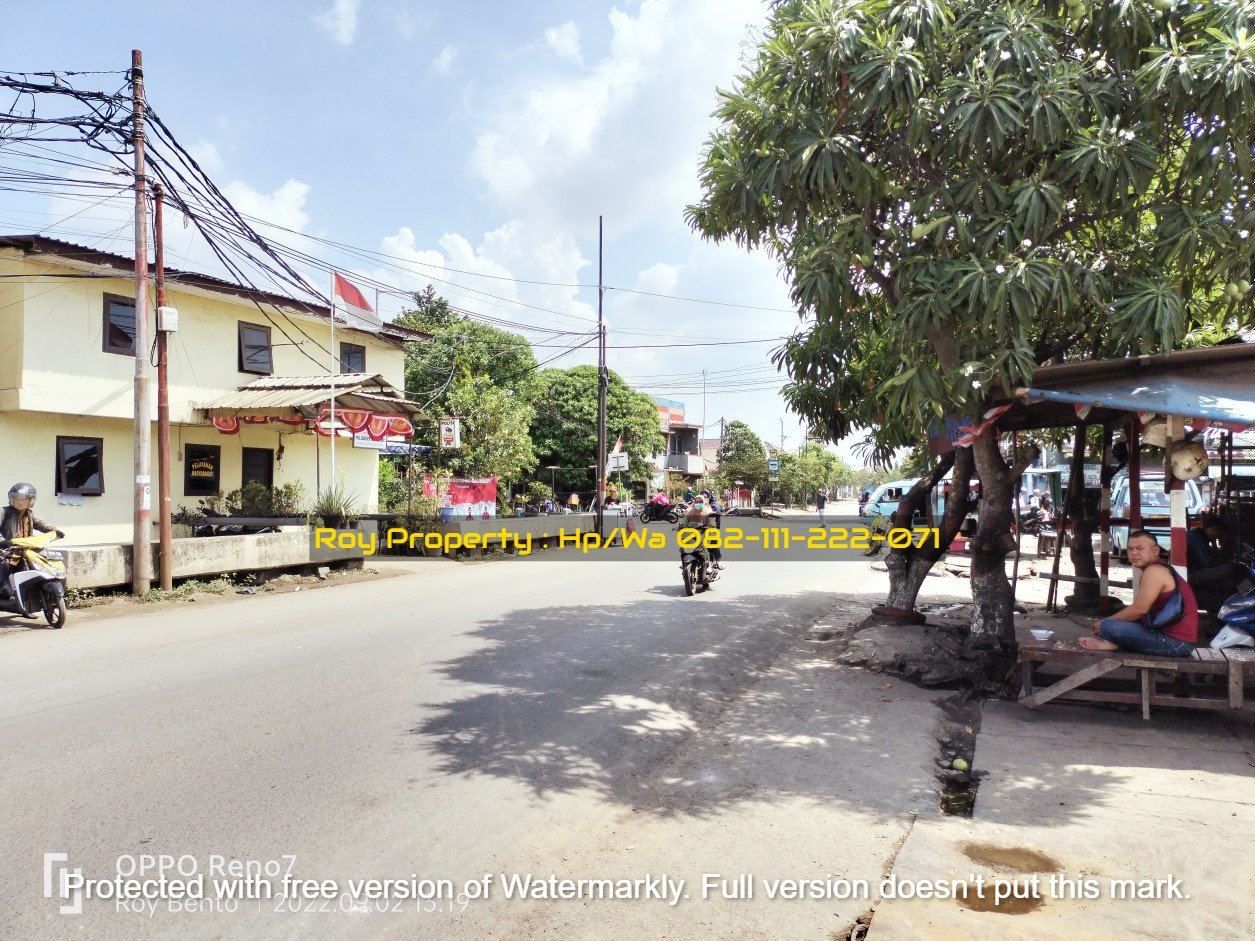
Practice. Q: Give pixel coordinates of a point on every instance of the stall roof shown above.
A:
(1213, 384)
(280, 395)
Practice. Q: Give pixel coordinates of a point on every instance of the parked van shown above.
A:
(885, 499)
(1154, 504)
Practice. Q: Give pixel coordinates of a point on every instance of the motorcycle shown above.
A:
(1238, 615)
(36, 579)
(696, 566)
(1031, 523)
(656, 513)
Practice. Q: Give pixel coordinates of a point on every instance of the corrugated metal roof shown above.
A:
(280, 396)
(1213, 384)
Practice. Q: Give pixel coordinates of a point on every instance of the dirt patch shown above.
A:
(1009, 858)
(1024, 900)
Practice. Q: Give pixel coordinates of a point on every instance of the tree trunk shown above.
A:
(1085, 524)
(992, 622)
(909, 567)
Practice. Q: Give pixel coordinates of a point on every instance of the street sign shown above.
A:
(618, 461)
(773, 465)
(451, 432)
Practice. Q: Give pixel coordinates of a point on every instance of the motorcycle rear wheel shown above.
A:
(55, 612)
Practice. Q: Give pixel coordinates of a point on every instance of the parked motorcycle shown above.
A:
(656, 512)
(1031, 523)
(696, 566)
(1238, 614)
(35, 579)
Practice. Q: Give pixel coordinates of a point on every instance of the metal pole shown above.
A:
(1104, 518)
(703, 431)
(601, 379)
(334, 369)
(1135, 489)
(165, 555)
(141, 557)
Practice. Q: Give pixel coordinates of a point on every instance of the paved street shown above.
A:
(583, 721)
(464, 719)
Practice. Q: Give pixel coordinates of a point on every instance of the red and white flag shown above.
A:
(353, 302)
(618, 445)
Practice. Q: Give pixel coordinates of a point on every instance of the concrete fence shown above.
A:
(109, 565)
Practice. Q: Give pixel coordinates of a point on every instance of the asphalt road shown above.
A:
(506, 717)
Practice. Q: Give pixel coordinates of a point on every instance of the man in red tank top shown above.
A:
(1127, 629)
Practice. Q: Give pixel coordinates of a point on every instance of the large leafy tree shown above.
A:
(495, 439)
(741, 455)
(961, 190)
(564, 428)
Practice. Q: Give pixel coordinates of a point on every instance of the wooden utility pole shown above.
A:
(601, 381)
(165, 555)
(141, 557)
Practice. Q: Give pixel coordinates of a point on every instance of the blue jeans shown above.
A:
(1129, 635)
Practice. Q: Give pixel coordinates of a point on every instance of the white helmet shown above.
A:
(1188, 460)
(1232, 637)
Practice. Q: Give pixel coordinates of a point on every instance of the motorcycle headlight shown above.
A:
(53, 554)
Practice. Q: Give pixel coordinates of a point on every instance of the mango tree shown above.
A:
(962, 191)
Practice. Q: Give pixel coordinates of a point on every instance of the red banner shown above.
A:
(472, 499)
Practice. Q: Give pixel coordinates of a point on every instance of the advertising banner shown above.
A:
(470, 499)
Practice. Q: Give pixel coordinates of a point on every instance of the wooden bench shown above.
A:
(1233, 663)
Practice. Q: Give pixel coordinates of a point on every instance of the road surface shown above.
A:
(510, 718)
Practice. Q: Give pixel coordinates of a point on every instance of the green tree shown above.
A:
(961, 191)
(495, 438)
(461, 349)
(742, 455)
(564, 427)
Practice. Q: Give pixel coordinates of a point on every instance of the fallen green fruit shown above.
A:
(959, 764)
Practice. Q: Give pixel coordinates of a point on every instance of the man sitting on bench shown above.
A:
(1163, 618)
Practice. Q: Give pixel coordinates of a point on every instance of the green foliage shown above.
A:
(495, 437)
(256, 499)
(538, 492)
(564, 429)
(742, 456)
(186, 589)
(392, 489)
(336, 502)
(961, 191)
(803, 475)
(461, 350)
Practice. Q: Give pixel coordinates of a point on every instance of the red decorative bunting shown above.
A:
(227, 426)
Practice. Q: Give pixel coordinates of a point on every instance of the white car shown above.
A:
(1154, 505)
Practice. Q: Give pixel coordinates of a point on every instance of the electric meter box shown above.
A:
(168, 319)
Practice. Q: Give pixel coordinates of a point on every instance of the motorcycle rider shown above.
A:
(19, 519)
(716, 512)
(19, 522)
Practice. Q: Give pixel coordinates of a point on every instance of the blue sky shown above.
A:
(485, 137)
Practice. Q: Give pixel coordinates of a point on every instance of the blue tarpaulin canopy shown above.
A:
(1215, 384)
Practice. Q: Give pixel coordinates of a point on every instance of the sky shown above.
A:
(472, 147)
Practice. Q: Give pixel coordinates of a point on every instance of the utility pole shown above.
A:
(141, 557)
(165, 554)
(601, 378)
(703, 432)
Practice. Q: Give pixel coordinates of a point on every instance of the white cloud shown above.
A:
(206, 154)
(340, 21)
(411, 24)
(444, 62)
(564, 40)
(285, 206)
(558, 145)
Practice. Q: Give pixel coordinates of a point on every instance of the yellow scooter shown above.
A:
(35, 579)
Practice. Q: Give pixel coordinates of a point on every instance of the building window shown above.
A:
(119, 325)
(352, 358)
(255, 349)
(81, 466)
(202, 469)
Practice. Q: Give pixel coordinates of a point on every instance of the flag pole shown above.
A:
(333, 364)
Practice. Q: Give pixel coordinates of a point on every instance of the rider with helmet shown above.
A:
(19, 519)
(716, 513)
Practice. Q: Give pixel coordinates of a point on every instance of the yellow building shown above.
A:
(67, 367)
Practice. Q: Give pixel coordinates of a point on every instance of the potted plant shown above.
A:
(336, 505)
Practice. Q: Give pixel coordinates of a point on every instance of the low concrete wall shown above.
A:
(109, 565)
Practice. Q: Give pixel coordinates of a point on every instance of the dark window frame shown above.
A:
(354, 347)
(244, 367)
(107, 300)
(188, 490)
(99, 444)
